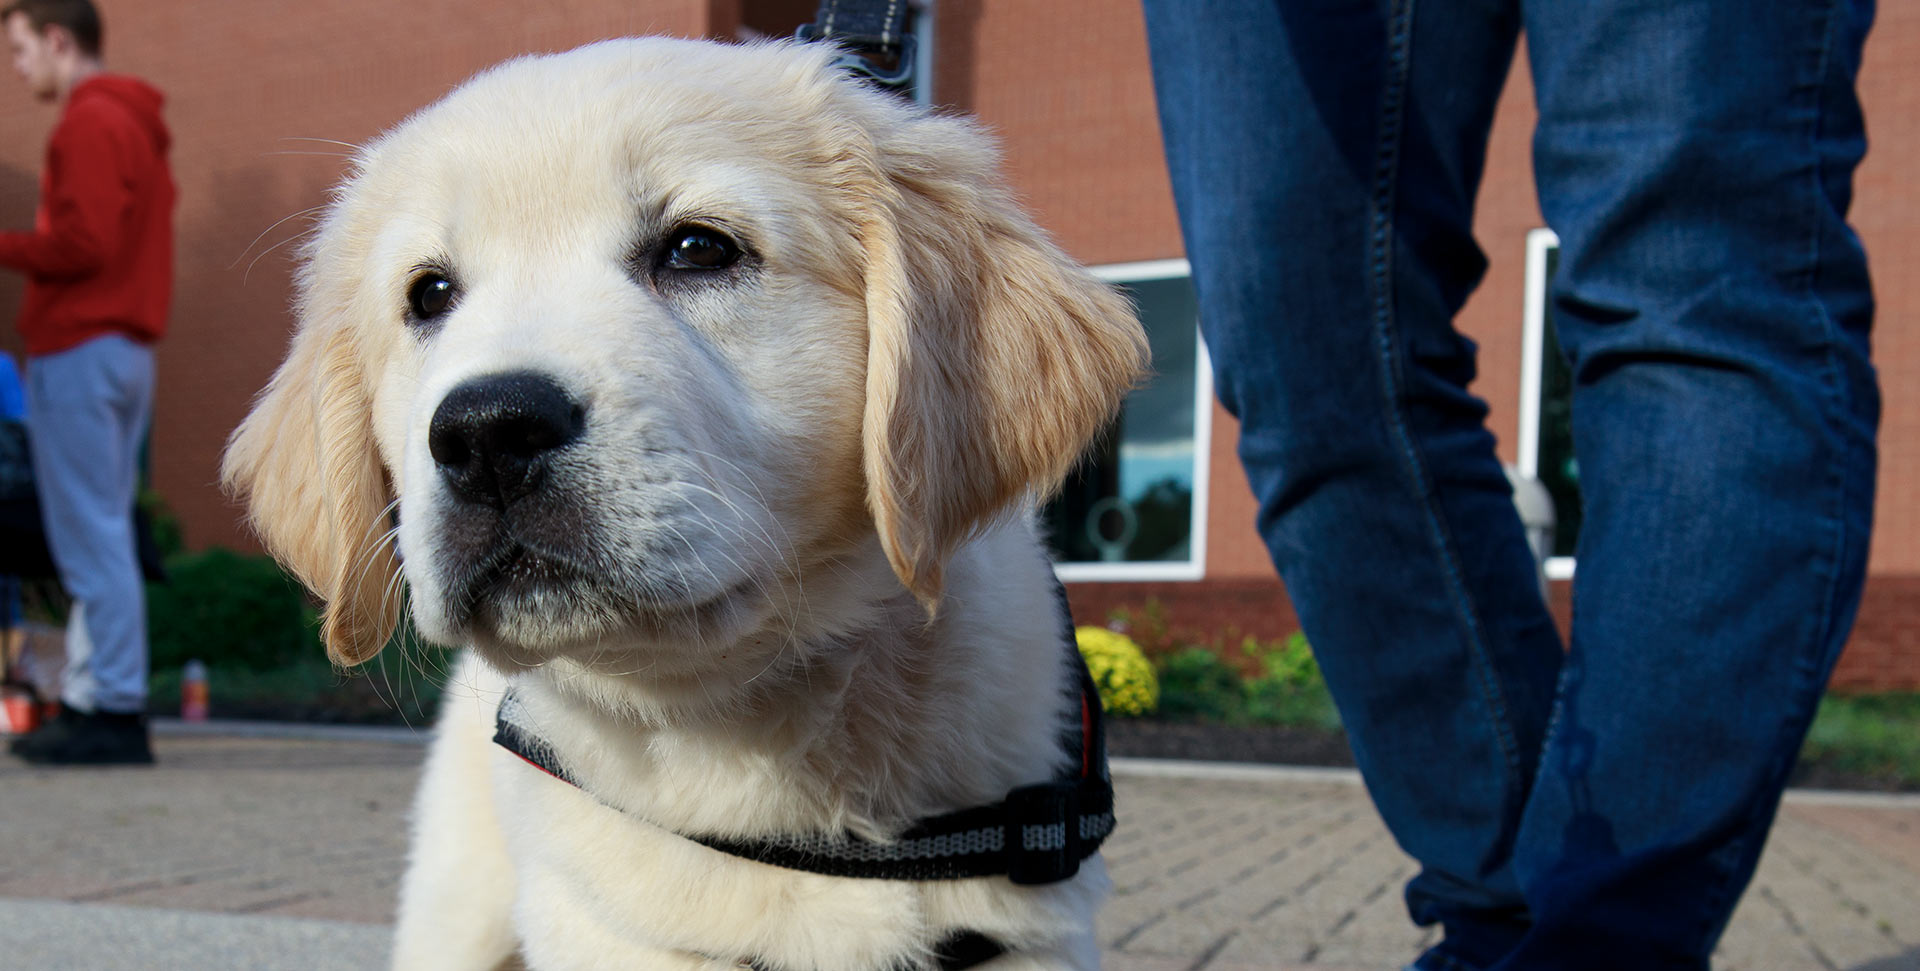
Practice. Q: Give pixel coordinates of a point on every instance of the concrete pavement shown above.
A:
(266, 848)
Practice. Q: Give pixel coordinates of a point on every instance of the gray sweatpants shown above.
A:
(87, 412)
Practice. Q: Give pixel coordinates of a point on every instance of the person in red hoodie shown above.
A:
(99, 268)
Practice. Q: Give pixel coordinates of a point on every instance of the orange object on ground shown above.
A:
(193, 692)
(20, 712)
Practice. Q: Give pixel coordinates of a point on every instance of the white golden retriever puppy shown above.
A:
(709, 390)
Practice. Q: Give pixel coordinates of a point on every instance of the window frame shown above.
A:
(1195, 566)
(1533, 343)
(923, 50)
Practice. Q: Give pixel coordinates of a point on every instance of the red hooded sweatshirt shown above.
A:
(100, 257)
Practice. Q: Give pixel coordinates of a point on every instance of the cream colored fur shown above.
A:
(808, 596)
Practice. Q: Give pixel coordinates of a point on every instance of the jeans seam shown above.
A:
(1380, 271)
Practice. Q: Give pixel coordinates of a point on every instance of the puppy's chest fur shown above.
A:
(857, 743)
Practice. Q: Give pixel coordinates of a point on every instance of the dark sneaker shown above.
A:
(57, 727)
(76, 737)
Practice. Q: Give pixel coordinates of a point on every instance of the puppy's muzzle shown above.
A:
(493, 436)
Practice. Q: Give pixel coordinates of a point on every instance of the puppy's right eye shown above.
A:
(698, 248)
(430, 296)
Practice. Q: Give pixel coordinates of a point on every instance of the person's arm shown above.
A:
(87, 200)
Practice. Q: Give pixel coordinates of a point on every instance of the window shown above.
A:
(1546, 404)
(1135, 506)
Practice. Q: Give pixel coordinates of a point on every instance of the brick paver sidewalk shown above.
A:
(1216, 870)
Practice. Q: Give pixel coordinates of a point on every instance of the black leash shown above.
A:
(872, 35)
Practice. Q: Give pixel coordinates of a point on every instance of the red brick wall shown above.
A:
(1219, 609)
(1884, 652)
(1067, 88)
(1066, 85)
(1886, 212)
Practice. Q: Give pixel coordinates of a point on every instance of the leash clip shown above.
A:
(860, 59)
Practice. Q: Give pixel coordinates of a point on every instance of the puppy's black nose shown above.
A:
(492, 435)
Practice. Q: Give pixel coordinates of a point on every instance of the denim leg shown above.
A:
(1325, 159)
(88, 409)
(1695, 158)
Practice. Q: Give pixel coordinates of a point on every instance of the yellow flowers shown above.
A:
(1122, 674)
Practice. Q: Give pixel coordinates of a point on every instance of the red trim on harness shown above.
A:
(517, 755)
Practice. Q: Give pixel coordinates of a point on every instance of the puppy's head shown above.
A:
(630, 339)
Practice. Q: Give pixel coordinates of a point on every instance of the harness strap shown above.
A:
(1038, 834)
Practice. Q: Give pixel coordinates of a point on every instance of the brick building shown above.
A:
(266, 97)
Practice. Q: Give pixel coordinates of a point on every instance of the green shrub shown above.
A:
(1873, 735)
(1284, 686)
(1289, 690)
(230, 609)
(1196, 684)
(1121, 674)
(1289, 662)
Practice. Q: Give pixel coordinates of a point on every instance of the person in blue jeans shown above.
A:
(1602, 806)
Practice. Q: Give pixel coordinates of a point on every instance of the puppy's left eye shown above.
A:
(698, 248)
(430, 296)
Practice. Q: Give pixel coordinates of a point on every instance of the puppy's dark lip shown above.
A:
(513, 568)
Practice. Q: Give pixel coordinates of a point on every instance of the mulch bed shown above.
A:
(1146, 739)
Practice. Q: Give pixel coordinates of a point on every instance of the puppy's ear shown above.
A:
(993, 358)
(305, 464)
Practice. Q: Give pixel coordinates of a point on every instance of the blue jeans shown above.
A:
(1604, 806)
(88, 408)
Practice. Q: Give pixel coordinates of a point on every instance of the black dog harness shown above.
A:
(1038, 834)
